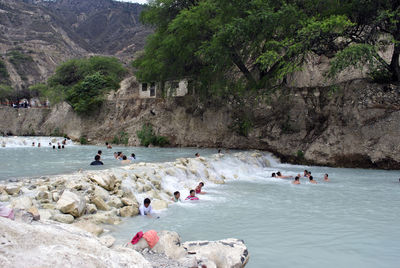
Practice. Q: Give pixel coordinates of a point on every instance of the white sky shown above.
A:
(134, 1)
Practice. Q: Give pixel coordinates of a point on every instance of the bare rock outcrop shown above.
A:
(52, 245)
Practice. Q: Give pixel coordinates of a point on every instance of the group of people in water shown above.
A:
(60, 145)
(146, 210)
(117, 155)
(306, 174)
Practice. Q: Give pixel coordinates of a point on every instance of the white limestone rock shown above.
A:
(64, 218)
(23, 202)
(225, 253)
(115, 202)
(100, 204)
(59, 245)
(71, 203)
(105, 180)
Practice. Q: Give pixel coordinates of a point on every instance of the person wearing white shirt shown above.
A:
(145, 209)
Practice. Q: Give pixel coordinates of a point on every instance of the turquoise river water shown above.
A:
(352, 221)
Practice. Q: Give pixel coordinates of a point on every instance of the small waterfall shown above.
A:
(18, 141)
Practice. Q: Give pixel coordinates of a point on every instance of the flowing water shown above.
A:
(352, 221)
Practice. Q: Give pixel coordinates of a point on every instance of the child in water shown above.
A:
(296, 180)
(192, 196)
(198, 188)
(176, 197)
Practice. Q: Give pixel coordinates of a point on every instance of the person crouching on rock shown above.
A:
(192, 196)
(145, 209)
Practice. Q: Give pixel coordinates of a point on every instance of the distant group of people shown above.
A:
(60, 145)
(306, 174)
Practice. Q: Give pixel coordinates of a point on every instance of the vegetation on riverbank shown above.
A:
(256, 44)
(83, 82)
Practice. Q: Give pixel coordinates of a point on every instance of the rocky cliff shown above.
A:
(36, 36)
(354, 124)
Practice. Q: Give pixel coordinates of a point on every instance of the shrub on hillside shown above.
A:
(146, 136)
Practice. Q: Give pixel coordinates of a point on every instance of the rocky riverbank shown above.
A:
(86, 200)
(353, 124)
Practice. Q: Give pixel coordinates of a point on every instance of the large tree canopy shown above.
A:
(256, 43)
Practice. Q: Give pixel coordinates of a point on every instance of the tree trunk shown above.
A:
(394, 64)
(242, 67)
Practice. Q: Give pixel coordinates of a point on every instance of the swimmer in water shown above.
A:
(33, 144)
(192, 196)
(176, 197)
(108, 146)
(198, 188)
(54, 147)
(99, 152)
(279, 175)
(273, 175)
(125, 160)
(197, 154)
(326, 177)
(96, 161)
(305, 173)
(312, 180)
(296, 180)
(38, 145)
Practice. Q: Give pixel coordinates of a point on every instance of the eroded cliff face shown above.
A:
(36, 35)
(356, 125)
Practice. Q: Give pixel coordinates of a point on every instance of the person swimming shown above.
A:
(197, 154)
(38, 145)
(305, 173)
(99, 152)
(312, 180)
(132, 157)
(97, 161)
(192, 196)
(326, 177)
(198, 188)
(125, 160)
(108, 146)
(273, 175)
(279, 175)
(176, 197)
(145, 209)
(296, 180)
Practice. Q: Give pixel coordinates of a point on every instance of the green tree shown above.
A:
(6, 92)
(83, 82)
(257, 43)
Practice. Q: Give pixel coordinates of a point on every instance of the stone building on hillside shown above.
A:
(173, 88)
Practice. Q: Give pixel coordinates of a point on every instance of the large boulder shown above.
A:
(89, 227)
(101, 192)
(100, 204)
(71, 203)
(107, 181)
(159, 204)
(115, 202)
(129, 211)
(227, 253)
(12, 189)
(64, 218)
(59, 245)
(23, 202)
(169, 243)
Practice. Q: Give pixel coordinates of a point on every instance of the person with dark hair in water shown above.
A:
(125, 160)
(326, 177)
(296, 180)
(96, 161)
(132, 157)
(198, 188)
(197, 154)
(192, 196)
(145, 209)
(99, 152)
(312, 180)
(108, 146)
(176, 197)
(273, 175)
(279, 175)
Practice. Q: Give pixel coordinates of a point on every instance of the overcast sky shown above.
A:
(134, 1)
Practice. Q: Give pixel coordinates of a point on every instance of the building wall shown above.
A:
(148, 90)
(177, 88)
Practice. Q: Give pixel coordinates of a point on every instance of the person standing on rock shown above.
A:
(145, 209)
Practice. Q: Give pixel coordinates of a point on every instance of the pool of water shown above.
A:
(352, 221)
(21, 159)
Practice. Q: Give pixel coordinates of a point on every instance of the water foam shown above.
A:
(21, 142)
